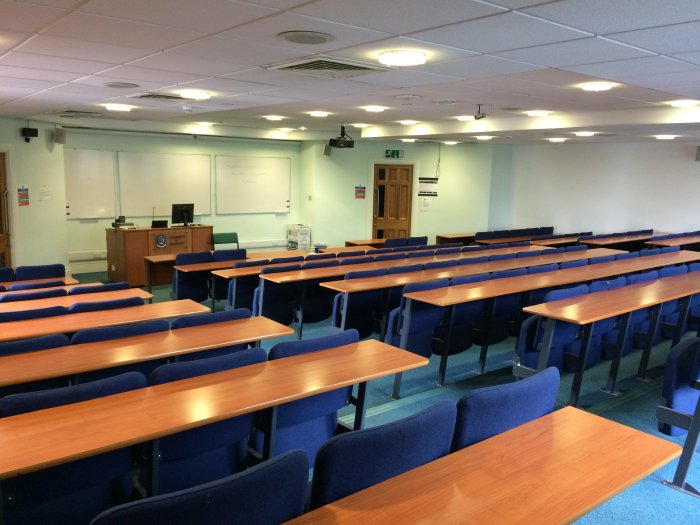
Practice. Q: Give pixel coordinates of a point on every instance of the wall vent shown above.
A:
(329, 68)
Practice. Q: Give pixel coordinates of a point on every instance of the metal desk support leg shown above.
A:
(155, 460)
(302, 299)
(546, 345)
(615, 363)
(581, 364)
(405, 323)
(360, 407)
(450, 317)
(270, 419)
(691, 444)
(684, 308)
(653, 326)
(490, 311)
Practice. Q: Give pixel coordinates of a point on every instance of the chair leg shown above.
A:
(691, 444)
(396, 393)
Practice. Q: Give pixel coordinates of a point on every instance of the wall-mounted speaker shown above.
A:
(327, 150)
(59, 136)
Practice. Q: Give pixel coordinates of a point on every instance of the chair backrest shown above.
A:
(28, 296)
(529, 253)
(317, 256)
(90, 335)
(44, 271)
(191, 285)
(502, 256)
(99, 288)
(228, 255)
(566, 293)
(677, 392)
(394, 243)
(420, 253)
(193, 258)
(272, 492)
(601, 259)
(643, 277)
(542, 268)
(440, 264)
(357, 260)
(404, 269)
(649, 251)
(36, 313)
(182, 370)
(95, 306)
(668, 271)
(378, 251)
(628, 255)
(670, 249)
(513, 272)
(417, 241)
(497, 245)
(245, 264)
(468, 279)
(486, 412)
(225, 238)
(7, 274)
(292, 259)
(210, 318)
(473, 260)
(443, 251)
(468, 249)
(607, 284)
(390, 256)
(351, 462)
(576, 248)
(73, 492)
(34, 286)
(320, 264)
(361, 274)
(33, 344)
(573, 264)
(351, 253)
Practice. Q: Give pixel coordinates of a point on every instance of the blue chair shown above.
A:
(270, 493)
(395, 293)
(497, 245)
(73, 492)
(416, 241)
(473, 260)
(99, 288)
(440, 264)
(34, 286)
(487, 412)
(220, 285)
(670, 249)
(211, 451)
(537, 296)
(318, 301)
(445, 251)
(420, 253)
(287, 260)
(379, 251)
(395, 243)
(565, 338)
(357, 260)
(390, 256)
(361, 306)
(206, 319)
(649, 251)
(191, 285)
(573, 264)
(627, 255)
(33, 344)
(276, 301)
(472, 249)
(96, 306)
(502, 256)
(320, 256)
(351, 253)
(36, 313)
(530, 253)
(598, 349)
(241, 289)
(28, 296)
(307, 423)
(601, 259)
(670, 313)
(7, 274)
(576, 248)
(351, 462)
(508, 308)
(44, 271)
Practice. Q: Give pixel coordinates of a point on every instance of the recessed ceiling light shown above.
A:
(305, 37)
(195, 94)
(360, 125)
(584, 133)
(537, 113)
(374, 109)
(408, 122)
(273, 117)
(465, 118)
(597, 86)
(665, 137)
(450, 142)
(684, 103)
(402, 57)
(286, 130)
(557, 140)
(118, 107)
(408, 140)
(483, 137)
(205, 124)
(319, 114)
(121, 85)
(302, 128)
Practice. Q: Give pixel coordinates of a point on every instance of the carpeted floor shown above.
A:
(646, 502)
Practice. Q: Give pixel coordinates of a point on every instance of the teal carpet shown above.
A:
(646, 502)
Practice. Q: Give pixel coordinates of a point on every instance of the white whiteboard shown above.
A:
(90, 192)
(252, 184)
(151, 182)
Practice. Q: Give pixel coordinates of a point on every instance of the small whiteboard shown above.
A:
(151, 182)
(252, 184)
(90, 192)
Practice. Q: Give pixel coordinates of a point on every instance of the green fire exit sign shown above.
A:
(393, 154)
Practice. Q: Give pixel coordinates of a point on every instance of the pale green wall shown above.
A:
(322, 188)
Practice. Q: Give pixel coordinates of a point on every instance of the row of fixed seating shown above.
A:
(521, 232)
(49, 289)
(675, 235)
(278, 490)
(25, 273)
(560, 236)
(618, 234)
(75, 308)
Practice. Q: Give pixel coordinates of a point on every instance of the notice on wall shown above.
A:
(360, 192)
(45, 194)
(427, 186)
(23, 196)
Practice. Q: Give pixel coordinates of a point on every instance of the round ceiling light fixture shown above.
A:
(665, 137)
(557, 140)
(684, 103)
(308, 38)
(195, 94)
(374, 109)
(584, 133)
(597, 86)
(402, 57)
(118, 107)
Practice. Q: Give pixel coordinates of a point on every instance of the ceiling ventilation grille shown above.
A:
(161, 96)
(73, 113)
(329, 68)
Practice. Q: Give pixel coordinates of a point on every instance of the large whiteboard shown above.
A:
(252, 184)
(90, 184)
(151, 182)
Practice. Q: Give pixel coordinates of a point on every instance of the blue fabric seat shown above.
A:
(537, 296)
(320, 256)
(573, 264)
(351, 462)
(28, 296)
(73, 492)
(34, 286)
(487, 412)
(677, 392)
(99, 288)
(318, 300)
(210, 318)
(7, 274)
(191, 285)
(220, 284)
(95, 306)
(417, 241)
(33, 344)
(211, 451)
(270, 493)
(440, 264)
(276, 301)
(360, 307)
(36, 313)
(307, 423)
(241, 289)
(395, 243)
(43, 271)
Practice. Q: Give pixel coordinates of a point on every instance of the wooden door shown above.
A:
(392, 201)
(5, 255)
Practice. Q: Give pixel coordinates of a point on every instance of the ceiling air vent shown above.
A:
(161, 96)
(328, 68)
(72, 113)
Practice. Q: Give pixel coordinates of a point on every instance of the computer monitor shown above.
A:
(182, 214)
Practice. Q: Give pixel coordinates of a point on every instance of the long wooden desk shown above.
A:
(76, 359)
(375, 243)
(584, 310)
(453, 295)
(65, 287)
(69, 323)
(44, 438)
(505, 239)
(446, 238)
(558, 241)
(363, 247)
(549, 471)
(68, 300)
(676, 241)
(66, 280)
(634, 241)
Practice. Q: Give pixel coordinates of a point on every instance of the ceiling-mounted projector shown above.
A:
(479, 115)
(343, 140)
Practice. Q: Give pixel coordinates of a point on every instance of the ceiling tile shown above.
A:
(169, 61)
(72, 48)
(238, 51)
(9, 39)
(692, 57)
(627, 70)
(23, 16)
(49, 63)
(38, 74)
(499, 33)
(478, 66)
(677, 38)
(227, 87)
(139, 74)
(404, 78)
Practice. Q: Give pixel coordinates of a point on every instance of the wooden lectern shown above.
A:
(126, 248)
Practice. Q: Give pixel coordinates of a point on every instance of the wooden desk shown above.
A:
(75, 359)
(374, 243)
(69, 323)
(65, 287)
(586, 309)
(256, 256)
(676, 241)
(551, 470)
(446, 238)
(355, 247)
(453, 295)
(44, 438)
(68, 300)
(66, 280)
(634, 241)
(505, 239)
(559, 241)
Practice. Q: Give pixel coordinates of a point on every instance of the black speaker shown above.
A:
(327, 150)
(59, 136)
(29, 133)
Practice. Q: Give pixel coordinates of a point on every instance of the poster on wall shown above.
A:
(427, 186)
(23, 196)
(360, 192)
